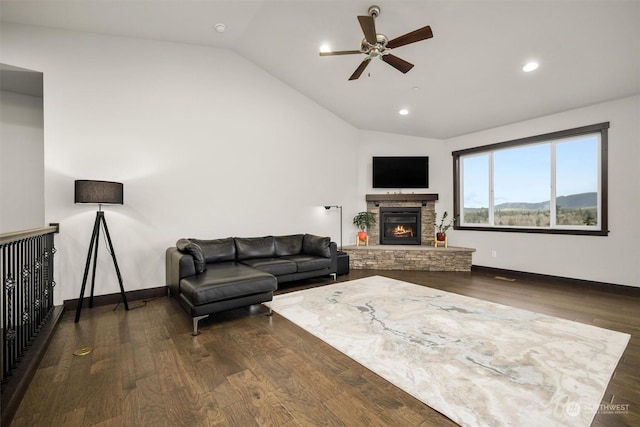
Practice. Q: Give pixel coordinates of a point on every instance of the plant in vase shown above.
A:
(364, 220)
(443, 226)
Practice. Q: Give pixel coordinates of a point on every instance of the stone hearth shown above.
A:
(407, 257)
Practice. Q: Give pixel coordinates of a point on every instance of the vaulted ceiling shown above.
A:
(468, 77)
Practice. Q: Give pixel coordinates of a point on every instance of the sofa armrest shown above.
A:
(333, 247)
(178, 266)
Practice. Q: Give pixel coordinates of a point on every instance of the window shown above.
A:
(552, 183)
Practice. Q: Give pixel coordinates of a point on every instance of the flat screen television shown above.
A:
(401, 172)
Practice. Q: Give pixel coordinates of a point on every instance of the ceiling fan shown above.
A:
(376, 45)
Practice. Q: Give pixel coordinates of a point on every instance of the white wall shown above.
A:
(371, 143)
(207, 145)
(21, 162)
(611, 259)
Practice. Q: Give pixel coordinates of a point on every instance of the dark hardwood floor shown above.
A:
(248, 369)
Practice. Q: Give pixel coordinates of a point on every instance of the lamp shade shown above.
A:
(101, 192)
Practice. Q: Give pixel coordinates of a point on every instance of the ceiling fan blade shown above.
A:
(412, 37)
(397, 63)
(340, 52)
(360, 69)
(368, 28)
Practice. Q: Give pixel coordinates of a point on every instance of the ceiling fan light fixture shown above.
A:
(403, 112)
(376, 45)
(530, 66)
(324, 48)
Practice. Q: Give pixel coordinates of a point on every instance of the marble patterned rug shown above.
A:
(477, 362)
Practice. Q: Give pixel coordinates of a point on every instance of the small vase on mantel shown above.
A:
(441, 237)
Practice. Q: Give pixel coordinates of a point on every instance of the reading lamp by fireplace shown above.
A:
(327, 207)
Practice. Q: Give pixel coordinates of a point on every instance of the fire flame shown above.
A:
(400, 231)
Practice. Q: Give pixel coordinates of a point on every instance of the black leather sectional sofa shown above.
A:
(209, 276)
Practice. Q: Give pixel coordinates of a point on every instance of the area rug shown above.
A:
(477, 362)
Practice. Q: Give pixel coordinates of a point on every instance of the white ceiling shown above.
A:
(468, 76)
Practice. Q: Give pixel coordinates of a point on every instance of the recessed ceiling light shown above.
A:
(220, 28)
(530, 66)
(403, 112)
(325, 48)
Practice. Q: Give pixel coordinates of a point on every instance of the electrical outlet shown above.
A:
(494, 254)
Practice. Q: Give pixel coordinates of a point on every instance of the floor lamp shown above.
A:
(100, 192)
(339, 207)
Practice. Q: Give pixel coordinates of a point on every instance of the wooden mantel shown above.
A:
(422, 198)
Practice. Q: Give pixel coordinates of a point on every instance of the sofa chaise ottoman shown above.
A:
(210, 276)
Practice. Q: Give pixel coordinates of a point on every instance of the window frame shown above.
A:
(602, 230)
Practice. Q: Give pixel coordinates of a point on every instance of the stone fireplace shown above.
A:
(422, 203)
(421, 256)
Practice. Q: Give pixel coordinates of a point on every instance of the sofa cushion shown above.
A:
(255, 247)
(217, 250)
(193, 249)
(275, 266)
(309, 262)
(316, 245)
(226, 280)
(288, 245)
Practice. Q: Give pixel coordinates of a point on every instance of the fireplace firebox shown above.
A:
(400, 226)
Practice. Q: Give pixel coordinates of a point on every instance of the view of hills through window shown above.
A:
(538, 185)
(575, 209)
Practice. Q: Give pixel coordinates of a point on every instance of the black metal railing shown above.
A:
(26, 269)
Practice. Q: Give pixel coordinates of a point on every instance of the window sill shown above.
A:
(535, 230)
